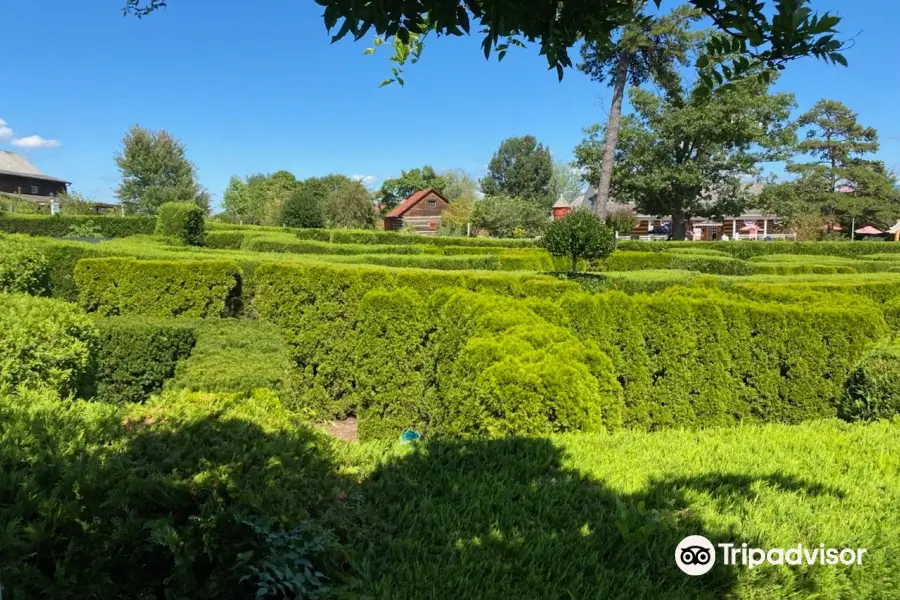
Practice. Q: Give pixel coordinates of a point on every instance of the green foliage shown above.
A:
(699, 358)
(23, 267)
(506, 216)
(225, 240)
(182, 221)
(74, 203)
(303, 208)
(394, 191)
(155, 170)
(525, 260)
(521, 168)
(187, 496)
(873, 389)
(165, 288)
(488, 262)
(747, 249)
(580, 235)
(135, 356)
(234, 356)
(61, 226)
(349, 205)
(88, 229)
(46, 343)
(658, 169)
(295, 246)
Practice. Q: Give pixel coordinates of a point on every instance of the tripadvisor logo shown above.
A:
(696, 555)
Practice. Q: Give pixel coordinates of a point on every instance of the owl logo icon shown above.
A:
(695, 555)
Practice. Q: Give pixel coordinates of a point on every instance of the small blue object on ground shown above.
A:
(409, 436)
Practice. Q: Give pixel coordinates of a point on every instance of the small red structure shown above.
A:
(561, 209)
(422, 211)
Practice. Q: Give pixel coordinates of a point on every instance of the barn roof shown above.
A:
(407, 204)
(12, 163)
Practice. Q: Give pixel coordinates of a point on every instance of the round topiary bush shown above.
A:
(183, 221)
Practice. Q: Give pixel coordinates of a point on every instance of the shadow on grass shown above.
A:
(504, 519)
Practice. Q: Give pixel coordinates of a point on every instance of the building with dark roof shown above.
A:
(20, 178)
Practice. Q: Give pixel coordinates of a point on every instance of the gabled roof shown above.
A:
(407, 204)
(16, 164)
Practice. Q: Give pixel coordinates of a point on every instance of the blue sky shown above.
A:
(264, 89)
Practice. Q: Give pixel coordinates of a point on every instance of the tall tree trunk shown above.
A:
(612, 134)
(678, 228)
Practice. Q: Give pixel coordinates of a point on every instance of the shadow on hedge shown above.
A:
(504, 519)
(205, 508)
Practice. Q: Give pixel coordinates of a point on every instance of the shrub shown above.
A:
(135, 356)
(580, 235)
(23, 268)
(46, 343)
(747, 249)
(182, 221)
(234, 356)
(366, 236)
(483, 262)
(303, 208)
(187, 496)
(60, 226)
(320, 235)
(270, 244)
(623, 260)
(873, 389)
(718, 265)
(525, 260)
(164, 288)
(227, 240)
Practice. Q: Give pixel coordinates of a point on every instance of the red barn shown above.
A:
(422, 211)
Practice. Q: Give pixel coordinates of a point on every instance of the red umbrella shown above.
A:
(868, 230)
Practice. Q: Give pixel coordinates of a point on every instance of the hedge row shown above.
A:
(351, 236)
(873, 390)
(265, 244)
(625, 260)
(60, 226)
(684, 359)
(480, 263)
(190, 288)
(748, 249)
(23, 267)
(189, 496)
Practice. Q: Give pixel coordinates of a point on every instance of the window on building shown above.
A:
(432, 204)
(34, 189)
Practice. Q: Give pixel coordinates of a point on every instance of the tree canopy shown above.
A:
(522, 168)
(155, 170)
(396, 190)
(579, 235)
(685, 154)
(760, 32)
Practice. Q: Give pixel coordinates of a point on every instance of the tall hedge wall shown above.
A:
(748, 249)
(60, 226)
(692, 358)
(190, 288)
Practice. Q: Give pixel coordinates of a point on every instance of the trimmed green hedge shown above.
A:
(460, 263)
(135, 356)
(235, 356)
(45, 343)
(226, 240)
(187, 496)
(704, 263)
(362, 236)
(181, 221)
(748, 249)
(526, 260)
(60, 226)
(23, 267)
(164, 288)
(264, 244)
(873, 389)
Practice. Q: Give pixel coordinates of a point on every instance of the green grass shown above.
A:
(587, 516)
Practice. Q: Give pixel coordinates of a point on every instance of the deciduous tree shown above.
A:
(503, 216)
(522, 168)
(396, 190)
(579, 235)
(155, 170)
(685, 154)
(350, 205)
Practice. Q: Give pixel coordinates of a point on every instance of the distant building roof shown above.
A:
(12, 163)
(412, 201)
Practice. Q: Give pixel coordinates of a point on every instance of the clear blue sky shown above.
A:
(261, 89)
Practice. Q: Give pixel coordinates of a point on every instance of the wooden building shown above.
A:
(21, 180)
(422, 211)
